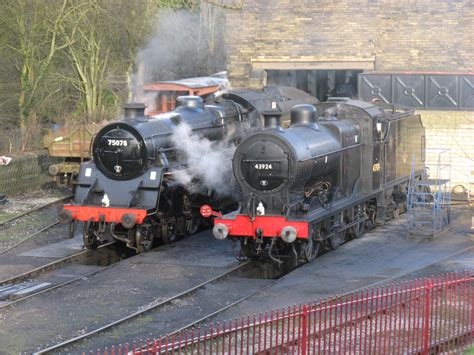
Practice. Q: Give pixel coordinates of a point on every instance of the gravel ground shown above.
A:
(22, 228)
(377, 256)
(120, 290)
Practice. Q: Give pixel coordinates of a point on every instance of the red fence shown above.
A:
(431, 315)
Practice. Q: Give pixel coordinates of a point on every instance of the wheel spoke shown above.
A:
(169, 232)
(311, 250)
(191, 225)
(336, 240)
(144, 239)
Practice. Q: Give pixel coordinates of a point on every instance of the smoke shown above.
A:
(209, 163)
(148, 98)
(330, 112)
(179, 47)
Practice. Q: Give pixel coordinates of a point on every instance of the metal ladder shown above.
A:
(429, 199)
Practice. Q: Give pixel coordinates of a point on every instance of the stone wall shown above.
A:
(382, 35)
(453, 131)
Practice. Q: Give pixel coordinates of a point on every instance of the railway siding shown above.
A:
(126, 287)
(120, 290)
(382, 256)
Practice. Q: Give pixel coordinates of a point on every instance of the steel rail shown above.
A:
(49, 267)
(23, 214)
(190, 325)
(35, 234)
(56, 286)
(336, 297)
(141, 312)
(441, 345)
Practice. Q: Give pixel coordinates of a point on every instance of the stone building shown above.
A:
(321, 46)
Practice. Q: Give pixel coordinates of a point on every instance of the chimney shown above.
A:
(134, 110)
(272, 119)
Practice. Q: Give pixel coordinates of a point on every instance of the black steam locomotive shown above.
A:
(323, 179)
(129, 192)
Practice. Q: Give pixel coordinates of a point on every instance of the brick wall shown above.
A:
(382, 35)
(453, 131)
(393, 35)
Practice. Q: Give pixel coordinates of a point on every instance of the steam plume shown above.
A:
(178, 48)
(208, 161)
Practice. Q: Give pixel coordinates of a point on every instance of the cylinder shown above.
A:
(134, 110)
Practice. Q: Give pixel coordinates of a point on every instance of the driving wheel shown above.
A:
(169, 232)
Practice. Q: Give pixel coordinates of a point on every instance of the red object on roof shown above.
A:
(168, 91)
(168, 86)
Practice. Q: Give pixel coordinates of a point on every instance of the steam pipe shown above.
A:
(270, 251)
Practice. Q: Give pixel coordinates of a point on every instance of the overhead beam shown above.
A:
(299, 64)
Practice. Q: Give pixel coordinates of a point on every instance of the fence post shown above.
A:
(303, 324)
(427, 316)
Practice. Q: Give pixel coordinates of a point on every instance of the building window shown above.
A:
(319, 83)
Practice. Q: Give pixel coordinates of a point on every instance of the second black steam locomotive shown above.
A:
(129, 192)
(339, 168)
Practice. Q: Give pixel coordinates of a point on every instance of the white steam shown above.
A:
(331, 112)
(209, 163)
(179, 47)
(149, 99)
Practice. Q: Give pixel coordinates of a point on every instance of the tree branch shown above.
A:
(239, 5)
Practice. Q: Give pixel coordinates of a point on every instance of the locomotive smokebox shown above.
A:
(190, 101)
(134, 110)
(272, 119)
(303, 115)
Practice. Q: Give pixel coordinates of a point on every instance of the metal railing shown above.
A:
(431, 315)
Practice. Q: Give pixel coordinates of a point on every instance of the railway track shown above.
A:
(73, 341)
(29, 238)
(39, 208)
(35, 233)
(102, 336)
(148, 309)
(345, 295)
(23, 286)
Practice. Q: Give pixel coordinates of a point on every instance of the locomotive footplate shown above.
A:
(102, 214)
(262, 226)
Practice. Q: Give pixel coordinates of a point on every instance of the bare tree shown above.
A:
(105, 44)
(34, 27)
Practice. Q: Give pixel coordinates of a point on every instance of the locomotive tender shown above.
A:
(323, 179)
(129, 193)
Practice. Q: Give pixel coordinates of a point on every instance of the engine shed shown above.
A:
(416, 53)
